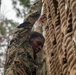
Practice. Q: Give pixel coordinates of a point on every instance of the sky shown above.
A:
(8, 11)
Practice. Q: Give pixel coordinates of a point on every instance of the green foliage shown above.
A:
(75, 46)
(12, 27)
(25, 3)
(11, 22)
(2, 30)
(0, 3)
(1, 54)
(7, 28)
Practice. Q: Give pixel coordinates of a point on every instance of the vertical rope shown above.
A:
(61, 5)
(61, 30)
(58, 36)
(48, 46)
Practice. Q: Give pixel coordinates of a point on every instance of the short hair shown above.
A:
(34, 34)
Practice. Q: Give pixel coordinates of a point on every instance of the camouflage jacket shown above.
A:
(20, 60)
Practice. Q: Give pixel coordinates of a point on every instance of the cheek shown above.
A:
(34, 46)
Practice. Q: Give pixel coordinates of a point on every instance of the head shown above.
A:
(36, 40)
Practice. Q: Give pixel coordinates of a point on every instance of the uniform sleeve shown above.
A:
(25, 28)
(17, 62)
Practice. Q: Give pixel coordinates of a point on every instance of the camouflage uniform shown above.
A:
(20, 60)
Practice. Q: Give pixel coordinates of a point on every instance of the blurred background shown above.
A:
(12, 13)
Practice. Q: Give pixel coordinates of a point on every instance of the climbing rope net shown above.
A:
(60, 35)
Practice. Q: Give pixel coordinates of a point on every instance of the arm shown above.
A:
(26, 26)
(40, 23)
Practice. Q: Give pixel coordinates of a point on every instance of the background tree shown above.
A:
(25, 6)
(7, 28)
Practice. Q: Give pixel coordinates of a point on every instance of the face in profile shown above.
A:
(37, 44)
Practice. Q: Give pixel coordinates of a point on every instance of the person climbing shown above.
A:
(22, 50)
